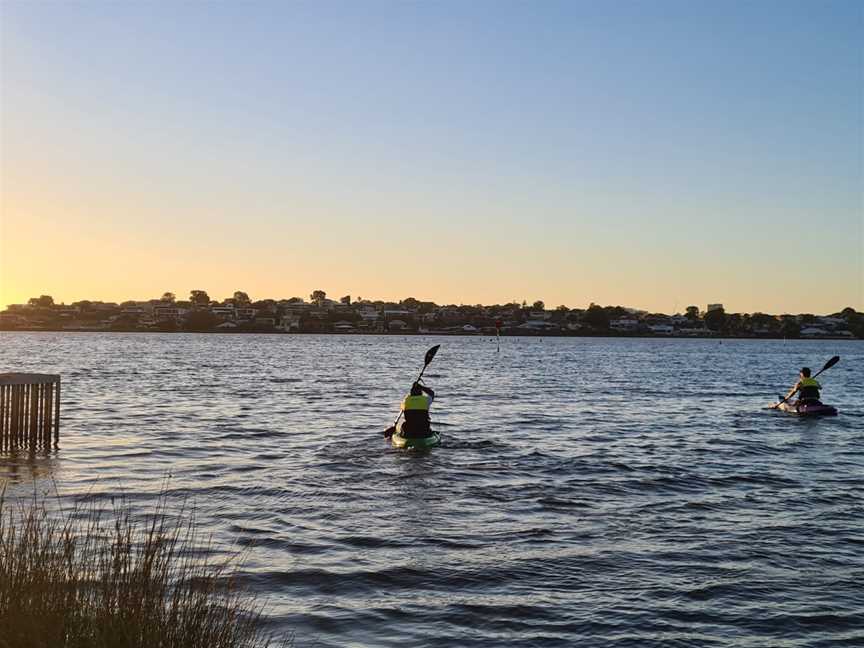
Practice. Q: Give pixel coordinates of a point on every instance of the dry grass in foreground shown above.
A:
(85, 579)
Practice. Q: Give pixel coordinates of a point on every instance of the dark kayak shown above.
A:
(808, 409)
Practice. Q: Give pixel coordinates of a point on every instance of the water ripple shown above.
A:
(587, 491)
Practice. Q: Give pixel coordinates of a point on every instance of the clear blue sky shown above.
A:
(651, 154)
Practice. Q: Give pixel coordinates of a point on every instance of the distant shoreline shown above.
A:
(545, 334)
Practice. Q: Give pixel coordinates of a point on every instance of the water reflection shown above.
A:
(572, 474)
(24, 465)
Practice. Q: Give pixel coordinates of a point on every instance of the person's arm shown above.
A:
(792, 391)
(428, 391)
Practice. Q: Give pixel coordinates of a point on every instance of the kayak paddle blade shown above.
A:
(431, 354)
(390, 431)
(830, 363)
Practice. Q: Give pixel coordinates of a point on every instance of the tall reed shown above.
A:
(83, 578)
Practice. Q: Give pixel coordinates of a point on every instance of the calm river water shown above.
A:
(591, 492)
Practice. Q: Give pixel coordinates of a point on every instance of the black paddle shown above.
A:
(827, 366)
(429, 355)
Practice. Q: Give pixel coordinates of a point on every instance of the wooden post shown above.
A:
(57, 415)
(2, 416)
(29, 411)
(46, 423)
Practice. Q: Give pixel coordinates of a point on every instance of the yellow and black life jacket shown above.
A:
(808, 389)
(416, 410)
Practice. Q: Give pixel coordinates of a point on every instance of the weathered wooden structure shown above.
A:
(29, 411)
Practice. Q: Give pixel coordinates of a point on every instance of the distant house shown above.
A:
(834, 324)
(223, 312)
(813, 332)
(713, 307)
(11, 320)
(295, 307)
(397, 325)
(397, 313)
(693, 331)
(625, 325)
(661, 329)
(343, 326)
(369, 315)
(538, 325)
(448, 313)
(168, 312)
(289, 322)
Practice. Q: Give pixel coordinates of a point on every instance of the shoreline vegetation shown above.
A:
(240, 314)
(87, 578)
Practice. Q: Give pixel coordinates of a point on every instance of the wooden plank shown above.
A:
(49, 411)
(34, 415)
(3, 417)
(43, 397)
(4, 410)
(8, 416)
(7, 422)
(28, 411)
(25, 415)
(16, 410)
(57, 416)
(40, 406)
(28, 379)
(22, 417)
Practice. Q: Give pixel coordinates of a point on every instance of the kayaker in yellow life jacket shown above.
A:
(807, 388)
(415, 408)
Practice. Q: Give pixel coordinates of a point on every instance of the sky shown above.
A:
(647, 154)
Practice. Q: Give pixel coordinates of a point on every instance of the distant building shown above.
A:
(713, 307)
(624, 325)
(813, 331)
(662, 329)
(538, 325)
(289, 322)
(397, 313)
(223, 312)
(168, 312)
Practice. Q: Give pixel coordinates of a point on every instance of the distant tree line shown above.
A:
(320, 314)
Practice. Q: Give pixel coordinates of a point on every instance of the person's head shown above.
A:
(416, 390)
(805, 372)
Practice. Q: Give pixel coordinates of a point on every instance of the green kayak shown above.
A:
(421, 443)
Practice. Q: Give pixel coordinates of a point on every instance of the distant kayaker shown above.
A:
(415, 407)
(807, 388)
